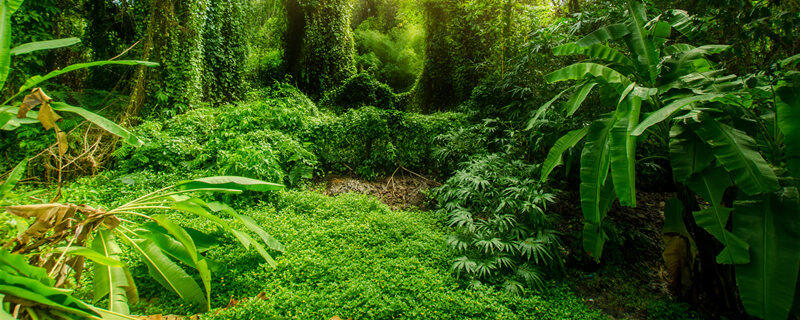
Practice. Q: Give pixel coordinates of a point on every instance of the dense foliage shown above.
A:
(581, 159)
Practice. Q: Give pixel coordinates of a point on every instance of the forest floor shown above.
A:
(359, 249)
(637, 291)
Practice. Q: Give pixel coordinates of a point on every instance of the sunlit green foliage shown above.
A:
(224, 50)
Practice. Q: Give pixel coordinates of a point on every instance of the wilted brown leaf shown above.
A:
(35, 98)
(63, 145)
(47, 116)
(677, 256)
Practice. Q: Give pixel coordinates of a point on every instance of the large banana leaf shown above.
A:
(595, 162)
(229, 182)
(645, 53)
(667, 111)
(111, 281)
(543, 109)
(688, 154)
(21, 280)
(769, 223)
(579, 71)
(595, 51)
(101, 122)
(789, 123)
(200, 208)
(7, 8)
(553, 159)
(185, 239)
(43, 45)
(623, 148)
(682, 21)
(607, 33)
(13, 178)
(737, 152)
(711, 185)
(578, 97)
(165, 271)
(36, 80)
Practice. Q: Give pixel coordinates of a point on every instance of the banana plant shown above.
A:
(675, 87)
(62, 236)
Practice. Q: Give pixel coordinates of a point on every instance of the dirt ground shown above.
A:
(401, 191)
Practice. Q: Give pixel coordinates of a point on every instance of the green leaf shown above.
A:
(607, 33)
(166, 272)
(711, 185)
(4, 315)
(43, 45)
(579, 71)
(7, 8)
(248, 241)
(13, 178)
(667, 111)
(623, 149)
(682, 21)
(769, 223)
(578, 97)
(737, 152)
(21, 280)
(641, 46)
(91, 254)
(595, 51)
(111, 280)
(185, 239)
(788, 115)
(541, 111)
(253, 226)
(229, 182)
(553, 159)
(660, 31)
(101, 122)
(35, 80)
(678, 48)
(688, 154)
(595, 162)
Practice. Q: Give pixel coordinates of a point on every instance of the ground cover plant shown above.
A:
(399, 159)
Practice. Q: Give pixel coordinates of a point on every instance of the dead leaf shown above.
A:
(63, 145)
(47, 116)
(35, 98)
(677, 255)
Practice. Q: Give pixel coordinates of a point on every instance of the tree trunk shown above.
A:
(174, 41)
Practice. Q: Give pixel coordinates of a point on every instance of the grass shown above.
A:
(348, 256)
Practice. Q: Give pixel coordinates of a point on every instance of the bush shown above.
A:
(239, 139)
(284, 137)
(501, 230)
(361, 90)
(371, 141)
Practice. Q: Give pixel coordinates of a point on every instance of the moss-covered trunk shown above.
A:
(174, 39)
(434, 89)
(320, 51)
(224, 51)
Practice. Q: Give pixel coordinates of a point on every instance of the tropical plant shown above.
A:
(63, 236)
(501, 230)
(709, 120)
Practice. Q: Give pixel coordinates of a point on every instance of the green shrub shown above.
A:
(233, 139)
(284, 137)
(501, 229)
(358, 91)
(371, 141)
